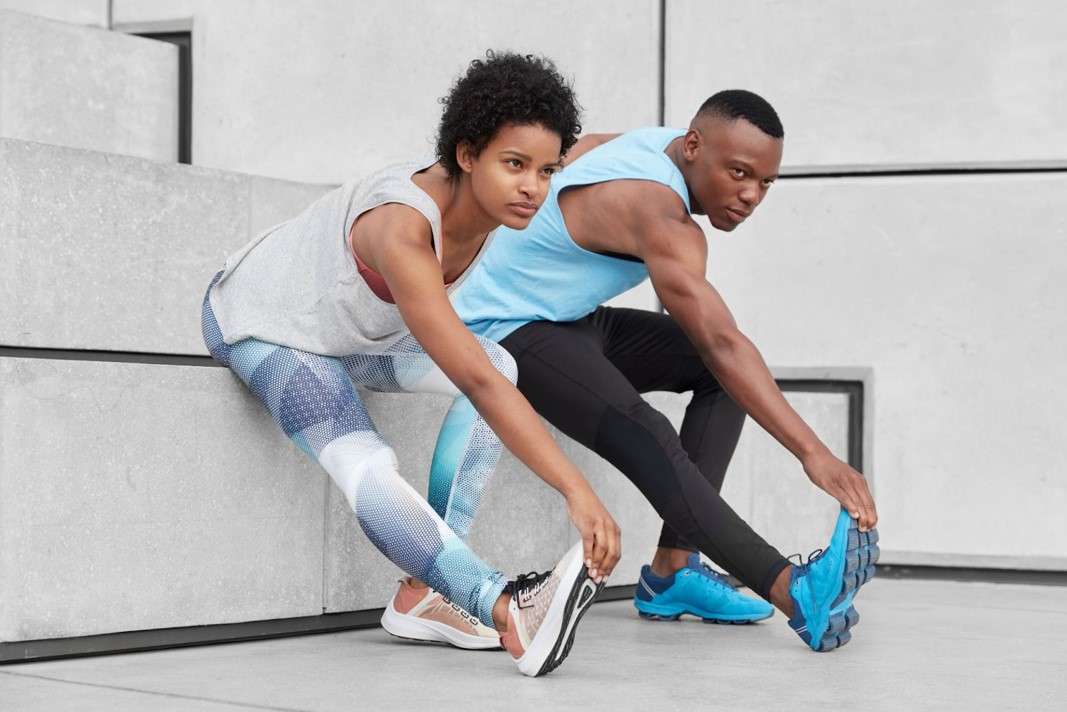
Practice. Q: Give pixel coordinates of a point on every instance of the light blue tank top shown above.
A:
(539, 274)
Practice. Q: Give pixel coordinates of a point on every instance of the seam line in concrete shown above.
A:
(175, 695)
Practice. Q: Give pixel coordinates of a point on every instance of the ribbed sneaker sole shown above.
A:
(581, 597)
(860, 557)
(652, 612)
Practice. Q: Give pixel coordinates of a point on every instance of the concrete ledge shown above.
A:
(88, 88)
(107, 252)
(137, 496)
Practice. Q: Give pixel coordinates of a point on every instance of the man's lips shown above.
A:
(737, 215)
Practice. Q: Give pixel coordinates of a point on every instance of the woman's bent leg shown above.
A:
(467, 449)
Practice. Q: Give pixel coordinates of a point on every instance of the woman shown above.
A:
(355, 293)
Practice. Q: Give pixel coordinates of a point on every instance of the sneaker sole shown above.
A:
(653, 612)
(409, 628)
(548, 649)
(861, 555)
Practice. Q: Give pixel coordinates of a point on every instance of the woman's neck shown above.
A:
(463, 221)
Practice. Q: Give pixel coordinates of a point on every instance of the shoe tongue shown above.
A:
(694, 561)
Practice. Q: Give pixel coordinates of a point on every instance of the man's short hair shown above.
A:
(741, 104)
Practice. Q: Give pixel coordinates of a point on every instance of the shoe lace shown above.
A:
(708, 572)
(813, 556)
(527, 582)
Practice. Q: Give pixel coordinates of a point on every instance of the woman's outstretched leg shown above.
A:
(314, 402)
(464, 459)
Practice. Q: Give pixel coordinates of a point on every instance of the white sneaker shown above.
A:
(544, 613)
(424, 614)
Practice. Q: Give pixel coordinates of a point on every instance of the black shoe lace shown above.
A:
(527, 582)
(811, 557)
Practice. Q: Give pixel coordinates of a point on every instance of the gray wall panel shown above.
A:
(137, 496)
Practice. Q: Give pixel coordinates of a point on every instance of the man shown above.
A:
(622, 211)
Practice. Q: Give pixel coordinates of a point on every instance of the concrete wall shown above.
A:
(88, 88)
(907, 83)
(322, 91)
(949, 288)
(943, 286)
(80, 12)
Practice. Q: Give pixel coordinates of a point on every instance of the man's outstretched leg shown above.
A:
(574, 380)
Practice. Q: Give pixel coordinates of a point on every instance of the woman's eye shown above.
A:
(514, 163)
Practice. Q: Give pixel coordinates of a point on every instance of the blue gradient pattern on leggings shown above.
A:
(314, 400)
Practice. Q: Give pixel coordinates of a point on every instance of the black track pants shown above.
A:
(586, 376)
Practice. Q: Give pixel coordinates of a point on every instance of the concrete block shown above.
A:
(81, 12)
(137, 496)
(950, 83)
(949, 288)
(84, 87)
(106, 252)
(321, 96)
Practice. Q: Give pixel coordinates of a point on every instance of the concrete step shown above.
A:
(141, 496)
(106, 252)
(85, 87)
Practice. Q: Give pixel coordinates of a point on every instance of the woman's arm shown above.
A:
(402, 255)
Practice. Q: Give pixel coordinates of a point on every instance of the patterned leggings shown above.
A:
(314, 400)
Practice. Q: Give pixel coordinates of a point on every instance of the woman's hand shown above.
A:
(601, 537)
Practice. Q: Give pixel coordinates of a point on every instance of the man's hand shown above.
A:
(601, 537)
(844, 484)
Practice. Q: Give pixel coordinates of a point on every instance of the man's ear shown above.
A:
(465, 156)
(691, 144)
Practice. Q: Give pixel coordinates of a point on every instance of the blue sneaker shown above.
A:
(698, 590)
(823, 589)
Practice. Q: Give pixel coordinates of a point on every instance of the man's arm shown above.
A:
(675, 251)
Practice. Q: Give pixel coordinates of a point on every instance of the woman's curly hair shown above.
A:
(505, 88)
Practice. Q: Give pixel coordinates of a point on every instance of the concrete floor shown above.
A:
(921, 645)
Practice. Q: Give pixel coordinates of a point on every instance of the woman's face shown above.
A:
(510, 177)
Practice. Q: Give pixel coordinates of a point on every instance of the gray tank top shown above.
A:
(297, 284)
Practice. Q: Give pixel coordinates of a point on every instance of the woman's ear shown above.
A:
(465, 156)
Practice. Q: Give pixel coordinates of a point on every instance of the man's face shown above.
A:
(731, 166)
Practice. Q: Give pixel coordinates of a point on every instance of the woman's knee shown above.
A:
(502, 361)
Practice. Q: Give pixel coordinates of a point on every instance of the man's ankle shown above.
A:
(781, 598)
(669, 560)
